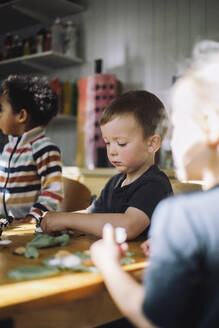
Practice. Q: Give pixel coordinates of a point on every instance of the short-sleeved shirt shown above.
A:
(182, 281)
(144, 193)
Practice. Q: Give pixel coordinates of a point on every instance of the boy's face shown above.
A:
(7, 116)
(127, 150)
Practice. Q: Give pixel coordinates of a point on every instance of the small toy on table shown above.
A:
(4, 222)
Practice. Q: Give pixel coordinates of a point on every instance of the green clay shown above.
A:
(129, 254)
(32, 272)
(126, 260)
(42, 240)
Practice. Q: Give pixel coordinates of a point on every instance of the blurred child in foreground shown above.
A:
(181, 283)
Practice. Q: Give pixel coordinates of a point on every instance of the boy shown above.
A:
(30, 164)
(181, 283)
(132, 128)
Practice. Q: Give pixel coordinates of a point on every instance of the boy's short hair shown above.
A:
(33, 94)
(147, 109)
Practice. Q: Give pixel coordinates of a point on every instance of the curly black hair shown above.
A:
(33, 94)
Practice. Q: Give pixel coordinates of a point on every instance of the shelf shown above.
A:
(44, 61)
(64, 117)
(22, 13)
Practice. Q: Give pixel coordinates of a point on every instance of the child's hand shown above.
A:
(146, 247)
(52, 222)
(106, 253)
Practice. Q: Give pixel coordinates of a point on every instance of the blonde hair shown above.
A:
(197, 93)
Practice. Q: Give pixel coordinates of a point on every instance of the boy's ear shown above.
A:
(22, 116)
(154, 143)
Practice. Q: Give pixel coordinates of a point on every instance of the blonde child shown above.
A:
(181, 284)
(132, 128)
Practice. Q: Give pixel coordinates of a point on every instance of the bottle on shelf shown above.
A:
(47, 41)
(26, 47)
(98, 66)
(39, 43)
(70, 39)
(16, 49)
(57, 87)
(32, 44)
(67, 98)
(57, 31)
(8, 42)
(40, 40)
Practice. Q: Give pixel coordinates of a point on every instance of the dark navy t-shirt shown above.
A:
(144, 193)
(182, 280)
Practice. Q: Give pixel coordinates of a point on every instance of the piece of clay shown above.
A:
(70, 261)
(62, 253)
(5, 242)
(19, 250)
(73, 262)
(120, 235)
(87, 262)
(54, 262)
(42, 240)
(65, 262)
(32, 272)
(127, 260)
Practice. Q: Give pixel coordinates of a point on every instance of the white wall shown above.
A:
(62, 131)
(144, 42)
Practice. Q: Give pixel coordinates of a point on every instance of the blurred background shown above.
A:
(93, 50)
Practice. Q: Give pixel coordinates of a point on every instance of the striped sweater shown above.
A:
(30, 175)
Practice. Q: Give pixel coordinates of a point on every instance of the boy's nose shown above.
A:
(112, 150)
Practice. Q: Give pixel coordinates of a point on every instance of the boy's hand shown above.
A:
(145, 246)
(106, 253)
(51, 222)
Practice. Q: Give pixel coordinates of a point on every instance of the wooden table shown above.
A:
(66, 300)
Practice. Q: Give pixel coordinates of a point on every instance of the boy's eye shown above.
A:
(122, 144)
(107, 143)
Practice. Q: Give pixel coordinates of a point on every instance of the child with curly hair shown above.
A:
(30, 164)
